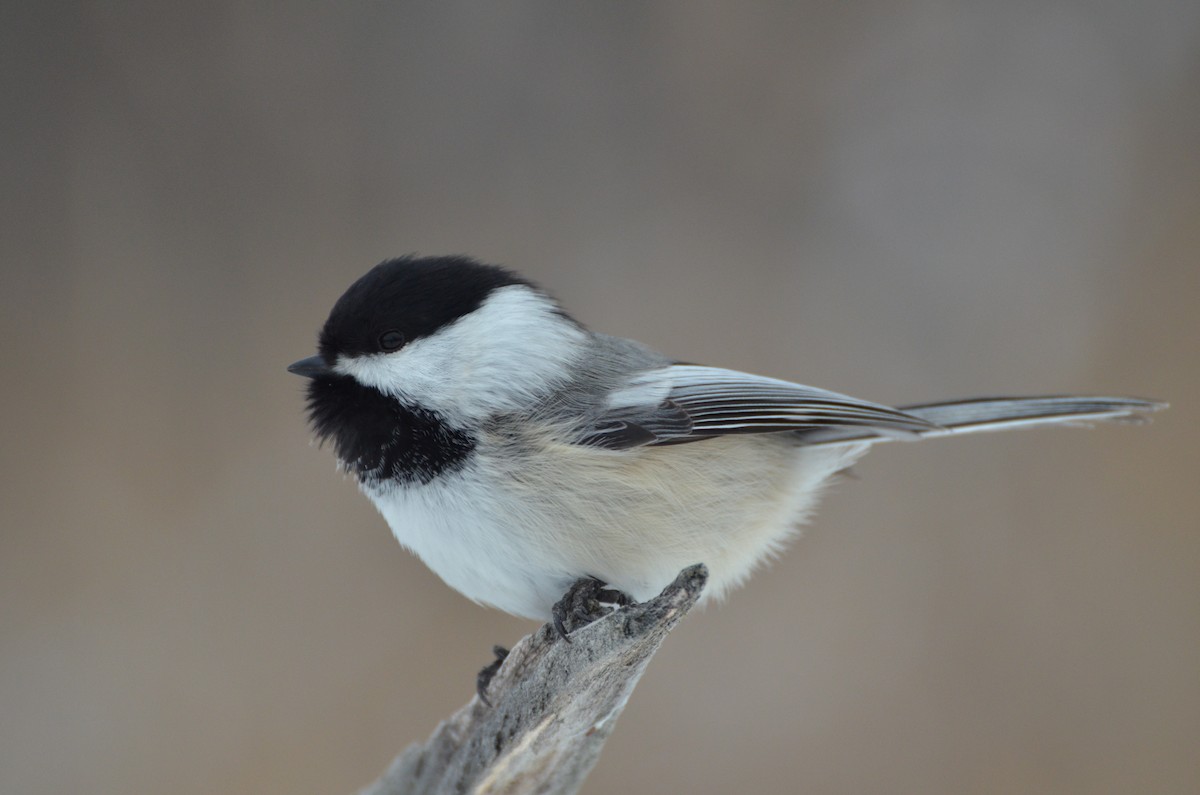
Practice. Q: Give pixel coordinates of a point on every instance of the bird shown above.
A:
(538, 466)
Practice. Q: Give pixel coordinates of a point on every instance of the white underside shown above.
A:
(514, 531)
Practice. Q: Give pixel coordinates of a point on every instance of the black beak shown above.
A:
(312, 367)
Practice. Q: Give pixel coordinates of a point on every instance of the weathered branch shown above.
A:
(555, 705)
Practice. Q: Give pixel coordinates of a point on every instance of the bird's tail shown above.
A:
(1001, 413)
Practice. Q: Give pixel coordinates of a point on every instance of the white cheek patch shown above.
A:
(498, 358)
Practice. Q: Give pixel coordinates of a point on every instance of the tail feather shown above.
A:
(1001, 413)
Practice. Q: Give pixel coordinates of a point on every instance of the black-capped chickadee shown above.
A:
(516, 452)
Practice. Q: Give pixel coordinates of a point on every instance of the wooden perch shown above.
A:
(555, 704)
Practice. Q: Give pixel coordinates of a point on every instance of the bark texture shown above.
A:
(555, 704)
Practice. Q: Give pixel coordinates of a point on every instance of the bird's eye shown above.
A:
(391, 340)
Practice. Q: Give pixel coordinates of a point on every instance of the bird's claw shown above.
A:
(584, 602)
(489, 671)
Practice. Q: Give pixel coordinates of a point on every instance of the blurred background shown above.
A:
(903, 201)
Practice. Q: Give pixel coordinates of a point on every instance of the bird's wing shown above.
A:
(686, 403)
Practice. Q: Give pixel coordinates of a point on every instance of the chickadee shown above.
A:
(515, 451)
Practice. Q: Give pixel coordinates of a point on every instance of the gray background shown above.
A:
(904, 201)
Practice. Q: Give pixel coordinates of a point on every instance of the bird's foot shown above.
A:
(489, 671)
(584, 602)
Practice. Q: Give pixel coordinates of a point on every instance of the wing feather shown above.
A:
(686, 403)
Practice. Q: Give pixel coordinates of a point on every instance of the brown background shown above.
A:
(905, 202)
